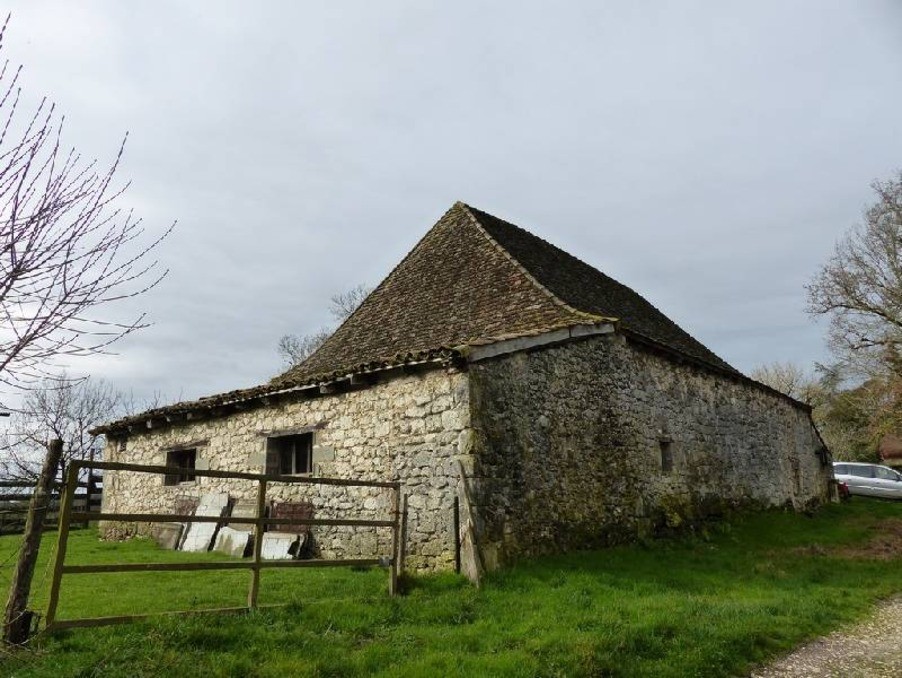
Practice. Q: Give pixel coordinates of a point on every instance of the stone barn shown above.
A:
(562, 408)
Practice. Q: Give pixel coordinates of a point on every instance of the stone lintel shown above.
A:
(299, 430)
(191, 444)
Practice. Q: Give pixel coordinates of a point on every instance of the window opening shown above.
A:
(186, 461)
(666, 456)
(290, 455)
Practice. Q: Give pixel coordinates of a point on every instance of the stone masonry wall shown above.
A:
(412, 428)
(600, 441)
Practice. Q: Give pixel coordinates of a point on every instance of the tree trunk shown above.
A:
(17, 621)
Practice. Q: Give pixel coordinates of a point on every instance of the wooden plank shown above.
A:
(156, 567)
(128, 618)
(347, 562)
(61, 544)
(184, 518)
(166, 470)
(228, 565)
(301, 511)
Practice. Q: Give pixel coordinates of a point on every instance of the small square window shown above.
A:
(666, 456)
(290, 455)
(185, 461)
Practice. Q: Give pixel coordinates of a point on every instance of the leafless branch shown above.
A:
(67, 249)
(58, 407)
(860, 287)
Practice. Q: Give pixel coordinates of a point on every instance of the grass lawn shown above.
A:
(709, 606)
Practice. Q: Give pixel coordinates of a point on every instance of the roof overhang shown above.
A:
(478, 351)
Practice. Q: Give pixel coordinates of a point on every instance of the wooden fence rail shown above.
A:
(14, 505)
(260, 521)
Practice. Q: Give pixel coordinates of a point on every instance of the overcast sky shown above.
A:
(707, 154)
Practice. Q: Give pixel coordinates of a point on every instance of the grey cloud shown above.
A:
(706, 155)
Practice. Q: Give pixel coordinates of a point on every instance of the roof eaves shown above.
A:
(231, 399)
(711, 367)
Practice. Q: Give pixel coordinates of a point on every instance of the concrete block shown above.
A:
(167, 535)
(244, 509)
(323, 453)
(232, 542)
(199, 537)
(276, 545)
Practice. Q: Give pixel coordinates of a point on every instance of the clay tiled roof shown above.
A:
(472, 279)
(456, 286)
(475, 277)
(591, 291)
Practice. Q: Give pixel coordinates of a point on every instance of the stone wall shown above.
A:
(600, 441)
(410, 427)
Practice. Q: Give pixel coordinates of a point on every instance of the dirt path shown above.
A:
(870, 649)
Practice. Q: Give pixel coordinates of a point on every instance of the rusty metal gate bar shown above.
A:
(255, 565)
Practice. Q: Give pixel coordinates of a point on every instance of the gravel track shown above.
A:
(870, 649)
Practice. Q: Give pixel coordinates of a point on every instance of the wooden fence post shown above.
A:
(62, 541)
(396, 528)
(402, 556)
(17, 620)
(254, 591)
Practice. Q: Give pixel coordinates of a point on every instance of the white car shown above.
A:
(869, 479)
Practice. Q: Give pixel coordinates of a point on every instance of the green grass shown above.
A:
(694, 607)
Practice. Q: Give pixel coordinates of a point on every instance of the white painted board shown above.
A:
(200, 535)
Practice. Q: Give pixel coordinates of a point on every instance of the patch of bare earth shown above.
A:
(884, 544)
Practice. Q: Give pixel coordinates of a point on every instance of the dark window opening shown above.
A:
(290, 455)
(185, 461)
(666, 456)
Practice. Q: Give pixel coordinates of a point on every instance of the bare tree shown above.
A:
(66, 249)
(860, 287)
(792, 380)
(345, 303)
(295, 349)
(63, 408)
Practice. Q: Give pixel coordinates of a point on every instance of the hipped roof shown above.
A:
(472, 279)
